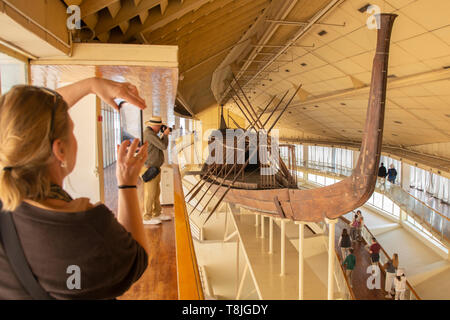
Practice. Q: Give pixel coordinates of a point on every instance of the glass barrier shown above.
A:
(437, 223)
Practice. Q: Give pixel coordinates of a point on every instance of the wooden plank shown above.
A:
(189, 283)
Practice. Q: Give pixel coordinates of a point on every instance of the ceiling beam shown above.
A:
(127, 12)
(175, 11)
(89, 7)
(232, 18)
(114, 9)
(163, 6)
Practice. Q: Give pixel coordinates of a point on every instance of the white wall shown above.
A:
(83, 181)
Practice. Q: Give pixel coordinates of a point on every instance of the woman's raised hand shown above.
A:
(109, 90)
(129, 164)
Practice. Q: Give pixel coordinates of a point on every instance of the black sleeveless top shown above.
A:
(108, 257)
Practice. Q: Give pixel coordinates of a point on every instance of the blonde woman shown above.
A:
(391, 269)
(59, 234)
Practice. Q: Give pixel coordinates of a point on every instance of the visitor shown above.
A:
(374, 251)
(152, 188)
(400, 284)
(382, 173)
(56, 234)
(360, 226)
(354, 227)
(349, 265)
(392, 174)
(344, 243)
(391, 269)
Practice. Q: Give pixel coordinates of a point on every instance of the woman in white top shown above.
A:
(400, 284)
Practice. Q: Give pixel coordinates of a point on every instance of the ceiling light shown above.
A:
(395, 135)
(446, 67)
(392, 76)
(322, 33)
(343, 104)
(316, 106)
(364, 9)
(303, 64)
(287, 70)
(447, 115)
(398, 122)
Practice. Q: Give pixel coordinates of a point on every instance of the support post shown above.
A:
(241, 285)
(331, 256)
(271, 236)
(262, 226)
(283, 247)
(301, 238)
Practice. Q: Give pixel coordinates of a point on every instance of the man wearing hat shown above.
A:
(152, 189)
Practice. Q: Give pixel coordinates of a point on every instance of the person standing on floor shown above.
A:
(349, 265)
(360, 225)
(345, 243)
(392, 174)
(400, 284)
(374, 251)
(152, 190)
(382, 173)
(354, 227)
(391, 269)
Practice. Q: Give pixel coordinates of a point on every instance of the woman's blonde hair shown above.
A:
(395, 260)
(31, 119)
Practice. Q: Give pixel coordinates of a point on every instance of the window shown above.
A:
(12, 72)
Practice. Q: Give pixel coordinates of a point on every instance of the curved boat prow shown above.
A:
(351, 193)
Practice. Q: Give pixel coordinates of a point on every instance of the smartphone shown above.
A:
(130, 122)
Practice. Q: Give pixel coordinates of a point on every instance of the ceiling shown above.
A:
(216, 37)
(418, 106)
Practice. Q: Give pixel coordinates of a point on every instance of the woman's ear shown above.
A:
(59, 150)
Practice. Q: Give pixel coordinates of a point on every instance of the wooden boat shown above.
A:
(328, 202)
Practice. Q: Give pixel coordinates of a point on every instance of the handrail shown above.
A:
(345, 275)
(386, 254)
(189, 281)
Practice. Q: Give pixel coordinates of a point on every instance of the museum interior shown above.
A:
(313, 99)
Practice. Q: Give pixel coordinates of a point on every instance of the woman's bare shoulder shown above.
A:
(77, 205)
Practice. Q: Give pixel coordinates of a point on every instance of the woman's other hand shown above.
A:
(129, 164)
(109, 90)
